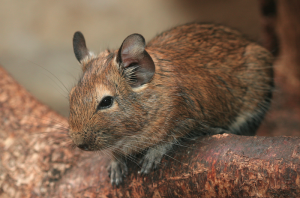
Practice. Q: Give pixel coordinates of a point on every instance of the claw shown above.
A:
(150, 162)
(153, 157)
(117, 170)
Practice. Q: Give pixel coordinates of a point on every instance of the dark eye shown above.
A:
(105, 103)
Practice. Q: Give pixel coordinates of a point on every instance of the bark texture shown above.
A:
(36, 159)
(217, 166)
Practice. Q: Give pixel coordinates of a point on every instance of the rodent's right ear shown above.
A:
(79, 46)
(138, 65)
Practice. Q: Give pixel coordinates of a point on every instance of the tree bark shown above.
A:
(37, 158)
(217, 166)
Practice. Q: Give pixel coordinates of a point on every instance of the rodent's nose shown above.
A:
(79, 141)
(84, 147)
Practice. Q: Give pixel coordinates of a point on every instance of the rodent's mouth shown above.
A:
(89, 142)
(89, 147)
(84, 147)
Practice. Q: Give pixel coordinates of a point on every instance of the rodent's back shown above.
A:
(218, 76)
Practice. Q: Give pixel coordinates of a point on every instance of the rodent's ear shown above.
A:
(137, 64)
(80, 49)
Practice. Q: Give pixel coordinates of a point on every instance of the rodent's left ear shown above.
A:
(80, 50)
(138, 65)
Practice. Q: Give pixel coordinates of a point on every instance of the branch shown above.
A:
(217, 166)
(36, 160)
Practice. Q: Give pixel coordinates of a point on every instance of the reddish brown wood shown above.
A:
(218, 166)
(37, 161)
(32, 143)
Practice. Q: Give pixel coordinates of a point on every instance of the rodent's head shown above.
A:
(105, 105)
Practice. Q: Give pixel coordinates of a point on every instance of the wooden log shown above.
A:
(217, 166)
(37, 161)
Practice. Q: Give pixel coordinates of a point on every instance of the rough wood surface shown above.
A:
(32, 147)
(36, 161)
(218, 166)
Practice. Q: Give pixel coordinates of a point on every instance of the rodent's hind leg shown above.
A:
(116, 171)
(153, 157)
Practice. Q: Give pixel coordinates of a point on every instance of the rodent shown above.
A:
(192, 79)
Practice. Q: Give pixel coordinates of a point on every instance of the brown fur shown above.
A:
(208, 79)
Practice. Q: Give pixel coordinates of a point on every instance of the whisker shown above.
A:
(67, 91)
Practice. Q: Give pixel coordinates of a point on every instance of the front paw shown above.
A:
(151, 160)
(117, 170)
